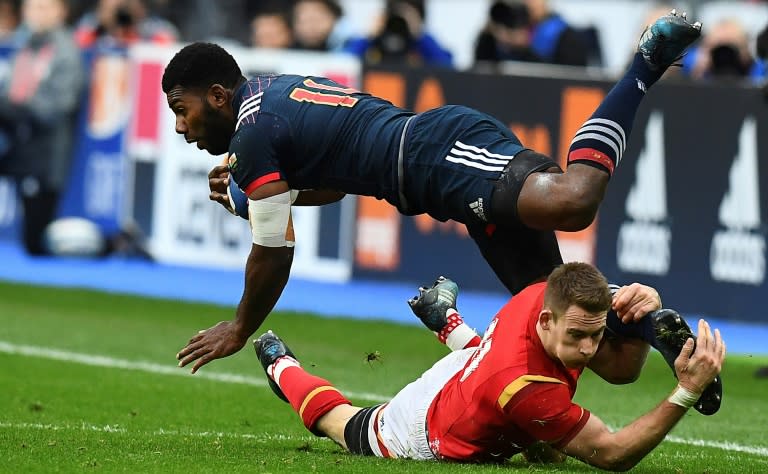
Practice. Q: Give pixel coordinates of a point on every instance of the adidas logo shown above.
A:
(477, 208)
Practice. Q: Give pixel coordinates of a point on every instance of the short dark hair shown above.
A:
(762, 44)
(510, 15)
(200, 65)
(418, 5)
(331, 5)
(579, 284)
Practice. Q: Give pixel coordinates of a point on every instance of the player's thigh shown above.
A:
(506, 194)
(402, 423)
(519, 255)
(452, 160)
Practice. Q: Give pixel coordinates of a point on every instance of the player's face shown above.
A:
(576, 336)
(43, 15)
(200, 122)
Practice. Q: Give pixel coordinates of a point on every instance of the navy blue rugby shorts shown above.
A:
(452, 157)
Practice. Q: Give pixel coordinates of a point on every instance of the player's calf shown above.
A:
(310, 396)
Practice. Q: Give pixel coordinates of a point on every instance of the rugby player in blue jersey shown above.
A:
(285, 133)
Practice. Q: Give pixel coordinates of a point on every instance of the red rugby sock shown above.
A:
(310, 396)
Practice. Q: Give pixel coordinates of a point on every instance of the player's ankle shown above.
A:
(456, 334)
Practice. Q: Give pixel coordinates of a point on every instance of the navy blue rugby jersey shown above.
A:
(315, 134)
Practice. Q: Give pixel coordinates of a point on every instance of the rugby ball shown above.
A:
(74, 237)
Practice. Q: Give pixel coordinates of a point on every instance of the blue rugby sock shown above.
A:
(642, 329)
(601, 141)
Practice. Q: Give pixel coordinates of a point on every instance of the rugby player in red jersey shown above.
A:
(512, 390)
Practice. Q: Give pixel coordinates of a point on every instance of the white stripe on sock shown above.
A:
(459, 337)
(277, 368)
(605, 130)
(600, 138)
(610, 123)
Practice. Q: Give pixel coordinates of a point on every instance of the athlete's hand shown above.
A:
(634, 301)
(218, 181)
(695, 372)
(220, 341)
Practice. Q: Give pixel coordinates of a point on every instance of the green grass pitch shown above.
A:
(88, 383)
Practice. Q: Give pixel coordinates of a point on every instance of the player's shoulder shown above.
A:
(525, 392)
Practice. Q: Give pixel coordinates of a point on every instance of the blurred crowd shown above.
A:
(514, 30)
(43, 42)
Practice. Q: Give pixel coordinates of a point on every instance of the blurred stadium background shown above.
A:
(686, 211)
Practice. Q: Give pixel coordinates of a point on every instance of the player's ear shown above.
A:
(218, 95)
(545, 319)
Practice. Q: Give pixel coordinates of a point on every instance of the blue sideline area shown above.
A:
(359, 299)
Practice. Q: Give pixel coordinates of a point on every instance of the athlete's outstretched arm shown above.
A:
(266, 273)
(595, 444)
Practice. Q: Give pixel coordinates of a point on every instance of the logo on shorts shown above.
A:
(434, 446)
(477, 208)
(232, 160)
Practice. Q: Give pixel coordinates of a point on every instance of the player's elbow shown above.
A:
(620, 466)
(613, 459)
(612, 463)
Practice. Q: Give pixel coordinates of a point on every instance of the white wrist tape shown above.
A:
(269, 220)
(683, 397)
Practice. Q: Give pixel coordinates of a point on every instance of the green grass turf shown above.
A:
(63, 416)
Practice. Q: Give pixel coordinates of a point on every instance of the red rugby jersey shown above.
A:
(510, 393)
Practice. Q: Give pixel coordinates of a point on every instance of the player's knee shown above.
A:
(622, 378)
(581, 193)
(578, 211)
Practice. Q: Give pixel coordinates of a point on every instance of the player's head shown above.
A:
(44, 15)
(199, 83)
(572, 319)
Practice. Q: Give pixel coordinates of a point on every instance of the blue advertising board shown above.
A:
(97, 183)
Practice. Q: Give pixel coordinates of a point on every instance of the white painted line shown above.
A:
(262, 437)
(724, 445)
(267, 437)
(109, 362)
(150, 367)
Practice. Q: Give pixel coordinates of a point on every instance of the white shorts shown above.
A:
(398, 429)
